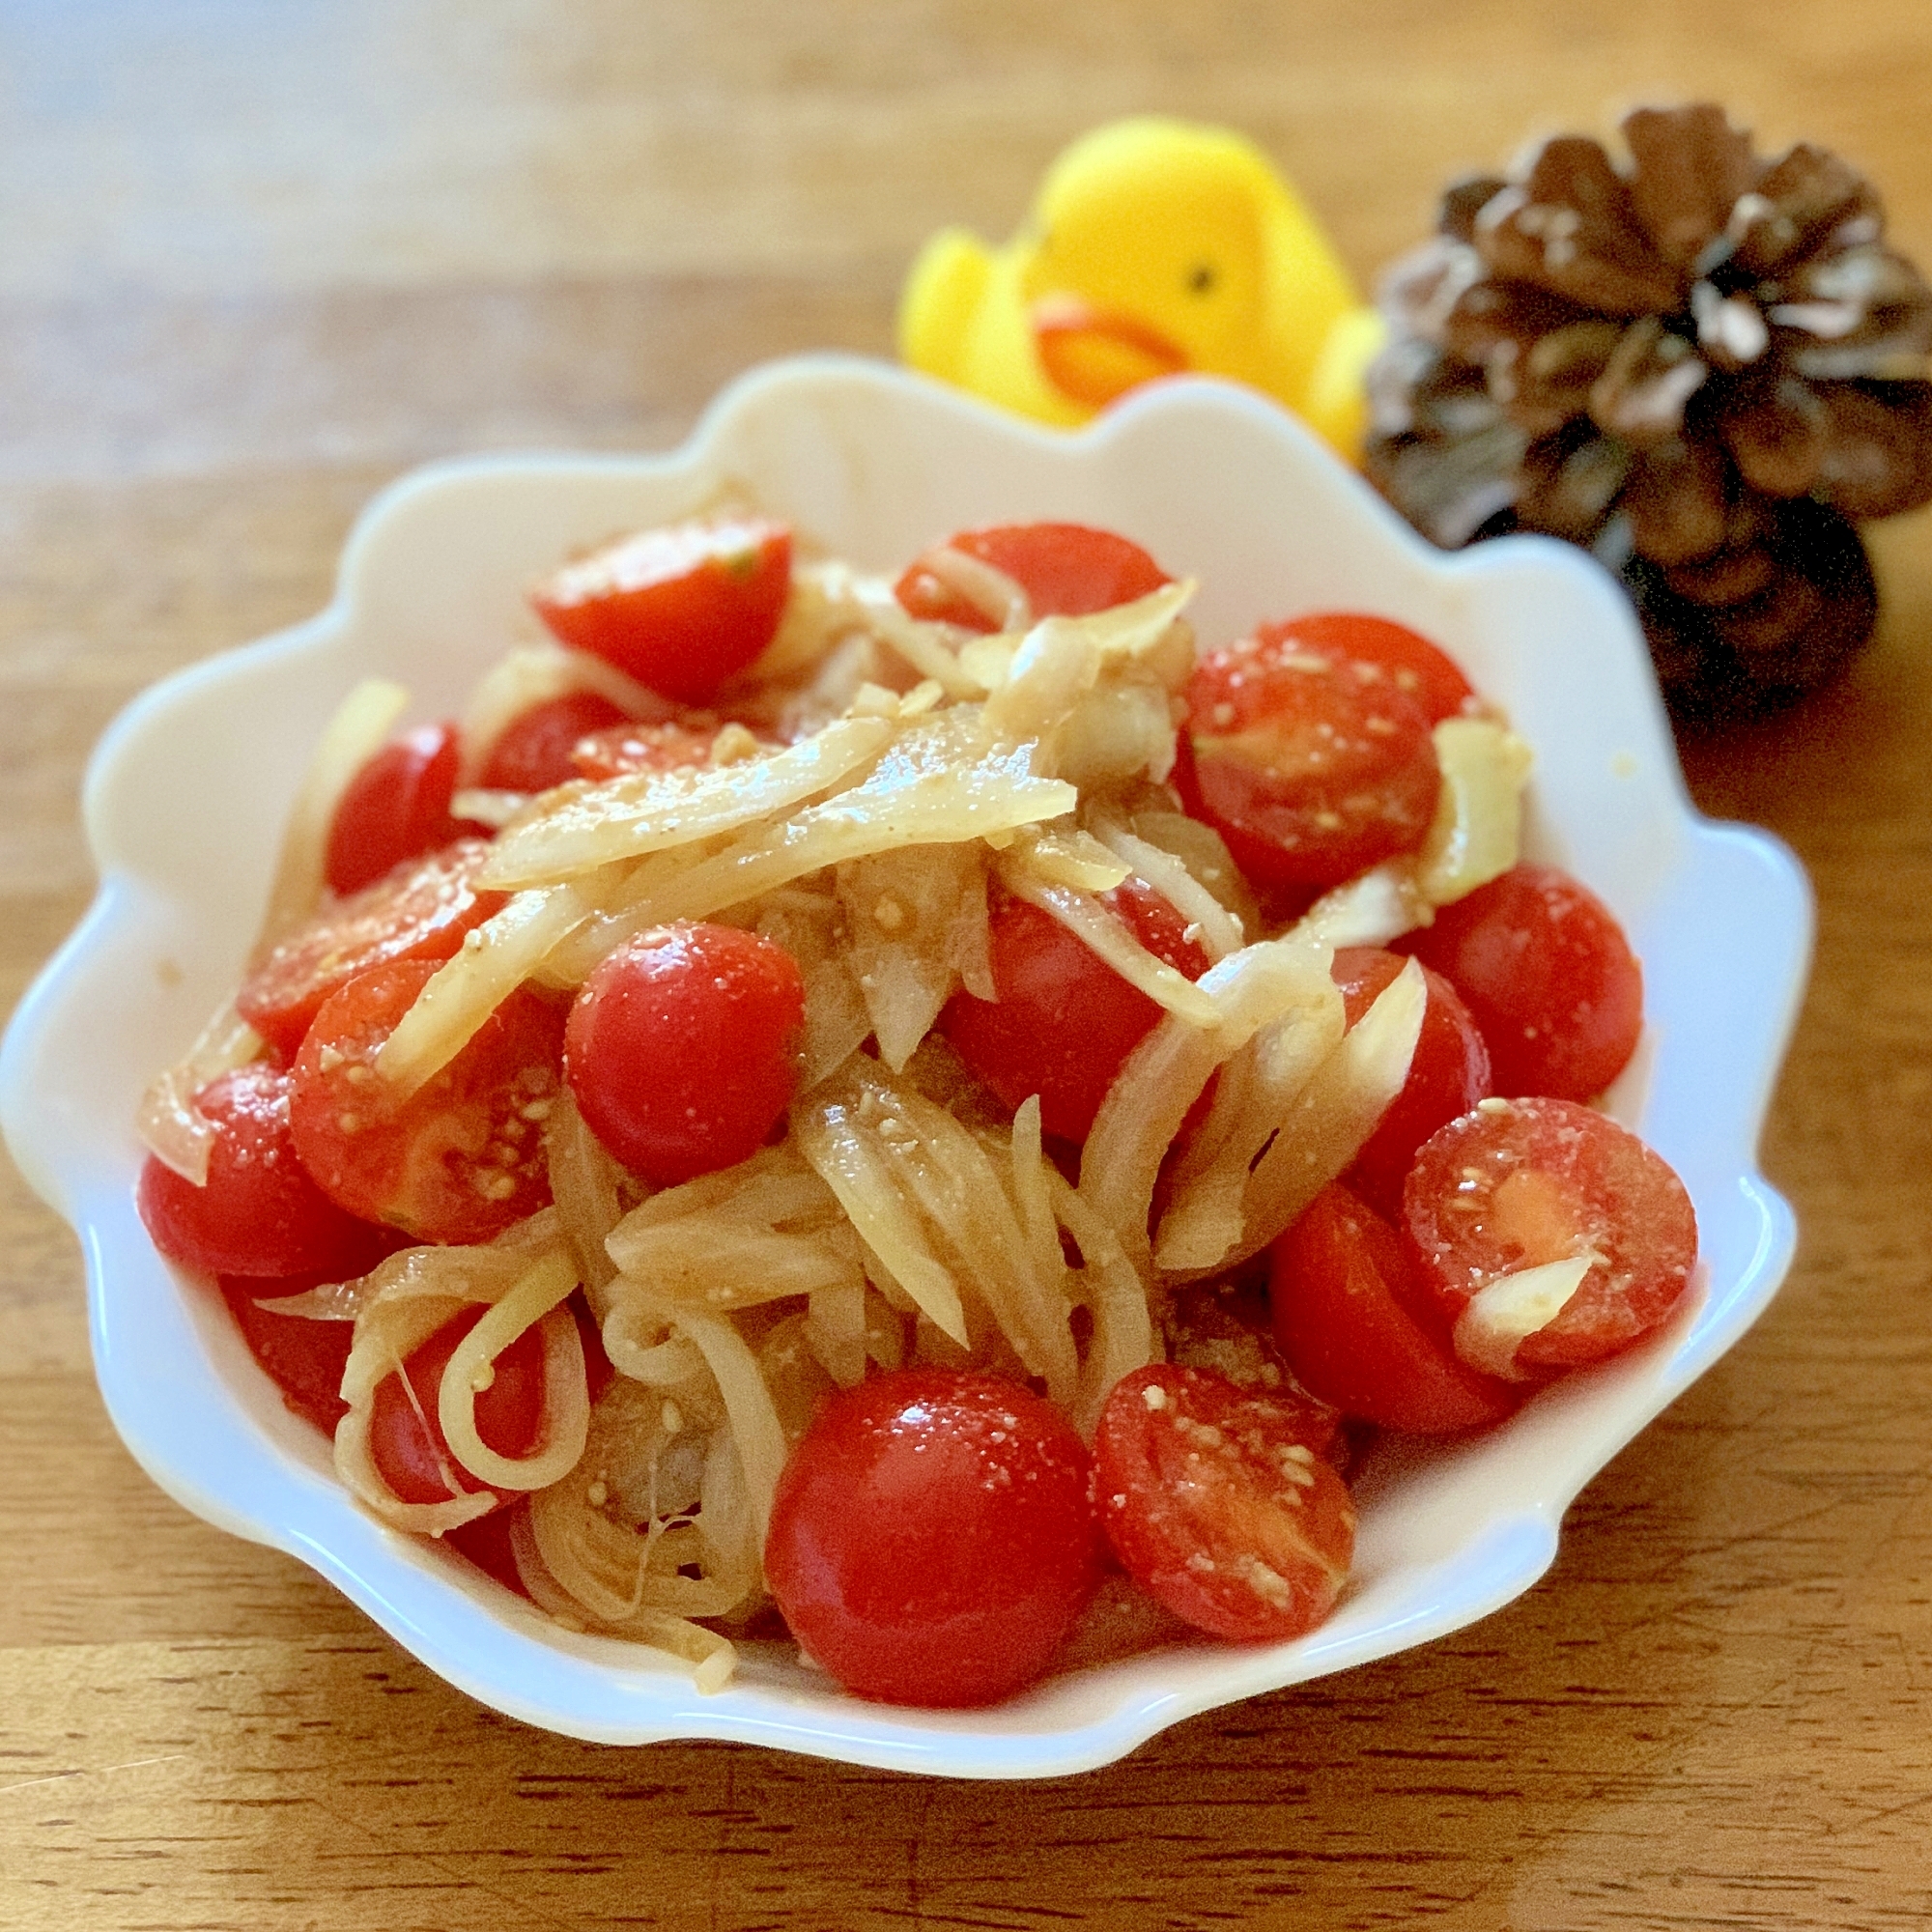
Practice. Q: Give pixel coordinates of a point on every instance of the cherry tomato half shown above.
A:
(419, 911)
(682, 1048)
(1416, 667)
(1311, 767)
(1518, 1183)
(260, 1213)
(1546, 970)
(405, 1438)
(933, 1538)
(304, 1358)
(532, 751)
(1359, 1332)
(1448, 1075)
(1066, 570)
(1064, 1021)
(1219, 1506)
(395, 807)
(459, 1159)
(680, 608)
(673, 745)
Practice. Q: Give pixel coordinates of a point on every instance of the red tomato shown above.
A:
(395, 807)
(682, 1048)
(1218, 1505)
(419, 911)
(933, 1539)
(681, 745)
(1350, 1316)
(532, 751)
(1066, 569)
(680, 608)
(1418, 669)
(1449, 1074)
(1546, 972)
(488, 1542)
(260, 1213)
(1065, 1020)
(1310, 767)
(463, 1158)
(304, 1358)
(405, 1438)
(1520, 1182)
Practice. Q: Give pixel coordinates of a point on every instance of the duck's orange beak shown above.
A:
(1094, 356)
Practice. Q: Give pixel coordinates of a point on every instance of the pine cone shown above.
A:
(1702, 367)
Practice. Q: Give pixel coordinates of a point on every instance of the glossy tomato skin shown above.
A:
(461, 1158)
(532, 751)
(304, 1358)
(1064, 1021)
(1546, 971)
(421, 910)
(1417, 668)
(1312, 768)
(395, 807)
(1359, 1332)
(1520, 1182)
(681, 609)
(682, 1048)
(1066, 570)
(405, 1438)
(260, 1213)
(1447, 1075)
(933, 1539)
(1219, 1506)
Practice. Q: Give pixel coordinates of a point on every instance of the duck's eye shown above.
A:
(1202, 280)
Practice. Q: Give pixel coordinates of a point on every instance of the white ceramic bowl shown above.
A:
(186, 794)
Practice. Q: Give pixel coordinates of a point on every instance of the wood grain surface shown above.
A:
(256, 259)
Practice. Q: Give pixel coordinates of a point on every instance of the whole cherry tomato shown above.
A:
(682, 1048)
(395, 807)
(1518, 1183)
(260, 1213)
(680, 608)
(1066, 570)
(463, 1158)
(1547, 972)
(1064, 1021)
(1217, 1504)
(933, 1539)
(419, 911)
(532, 751)
(304, 1358)
(1359, 1330)
(1416, 667)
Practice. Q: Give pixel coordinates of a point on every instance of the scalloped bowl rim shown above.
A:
(874, 461)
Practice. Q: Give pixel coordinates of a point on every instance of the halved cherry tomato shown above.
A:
(459, 1159)
(1417, 668)
(1357, 1328)
(260, 1213)
(670, 745)
(1447, 1075)
(1544, 968)
(405, 1438)
(532, 751)
(1518, 1183)
(680, 608)
(304, 1358)
(489, 1542)
(682, 1049)
(933, 1537)
(1065, 1020)
(395, 807)
(1066, 570)
(1311, 767)
(1219, 1506)
(419, 911)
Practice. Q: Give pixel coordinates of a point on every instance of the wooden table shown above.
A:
(253, 260)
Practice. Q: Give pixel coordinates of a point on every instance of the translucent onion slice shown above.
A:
(1477, 833)
(1504, 1312)
(171, 1128)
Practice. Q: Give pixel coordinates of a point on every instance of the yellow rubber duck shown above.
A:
(1156, 246)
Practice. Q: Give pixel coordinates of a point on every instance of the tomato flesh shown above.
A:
(1417, 668)
(260, 1213)
(682, 1048)
(420, 910)
(395, 807)
(670, 745)
(304, 1358)
(1066, 570)
(933, 1538)
(1359, 1332)
(682, 609)
(1518, 1183)
(463, 1158)
(1064, 1021)
(1546, 971)
(1219, 1506)
(532, 751)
